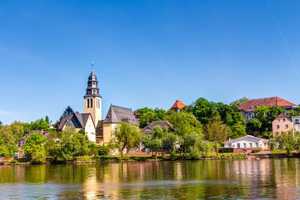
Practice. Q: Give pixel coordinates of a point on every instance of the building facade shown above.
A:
(248, 142)
(285, 124)
(248, 107)
(282, 124)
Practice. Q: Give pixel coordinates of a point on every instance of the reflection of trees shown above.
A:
(248, 179)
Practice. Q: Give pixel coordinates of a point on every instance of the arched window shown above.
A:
(91, 103)
(88, 103)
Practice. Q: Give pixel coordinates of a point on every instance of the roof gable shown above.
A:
(75, 120)
(117, 114)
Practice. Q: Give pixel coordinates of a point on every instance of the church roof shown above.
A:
(74, 120)
(117, 114)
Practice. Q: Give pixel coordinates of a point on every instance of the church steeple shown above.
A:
(93, 99)
(92, 89)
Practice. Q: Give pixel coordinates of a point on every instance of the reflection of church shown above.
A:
(90, 121)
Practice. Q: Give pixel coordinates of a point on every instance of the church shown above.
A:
(90, 120)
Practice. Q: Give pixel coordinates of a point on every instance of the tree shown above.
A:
(254, 126)
(69, 145)
(205, 111)
(288, 142)
(148, 115)
(184, 123)
(169, 141)
(127, 136)
(238, 102)
(266, 115)
(216, 132)
(35, 148)
(40, 124)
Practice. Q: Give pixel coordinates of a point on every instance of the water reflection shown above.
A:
(245, 179)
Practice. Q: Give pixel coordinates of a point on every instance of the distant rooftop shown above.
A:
(252, 104)
(178, 105)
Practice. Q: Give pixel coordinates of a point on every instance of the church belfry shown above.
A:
(92, 99)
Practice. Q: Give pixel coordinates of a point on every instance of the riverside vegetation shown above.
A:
(197, 132)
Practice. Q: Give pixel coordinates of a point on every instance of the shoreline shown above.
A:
(117, 159)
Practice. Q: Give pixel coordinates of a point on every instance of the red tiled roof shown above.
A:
(250, 105)
(178, 105)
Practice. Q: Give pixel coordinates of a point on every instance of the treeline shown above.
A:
(37, 141)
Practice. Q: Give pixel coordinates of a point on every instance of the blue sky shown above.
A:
(146, 52)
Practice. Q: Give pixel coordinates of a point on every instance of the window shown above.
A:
(278, 126)
(251, 145)
(88, 103)
(284, 119)
(238, 145)
(245, 145)
(286, 126)
(91, 103)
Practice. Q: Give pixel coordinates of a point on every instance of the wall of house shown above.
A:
(296, 122)
(108, 132)
(247, 144)
(90, 130)
(281, 125)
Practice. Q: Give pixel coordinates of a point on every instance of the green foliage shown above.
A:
(69, 145)
(35, 148)
(261, 124)
(148, 115)
(238, 102)
(287, 141)
(184, 123)
(169, 141)
(103, 150)
(206, 111)
(40, 124)
(127, 136)
(217, 131)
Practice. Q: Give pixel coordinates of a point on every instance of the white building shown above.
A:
(247, 142)
(296, 123)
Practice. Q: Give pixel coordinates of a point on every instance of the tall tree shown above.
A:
(127, 136)
(35, 148)
(217, 132)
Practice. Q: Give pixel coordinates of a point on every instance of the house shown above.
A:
(90, 120)
(115, 116)
(178, 106)
(248, 142)
(282, 124)
(296, 123)
(248, 107)
(79, 122)
(163, 124)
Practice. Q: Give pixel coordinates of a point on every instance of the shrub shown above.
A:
(103, 150)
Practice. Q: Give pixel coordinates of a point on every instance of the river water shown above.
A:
(240, 179)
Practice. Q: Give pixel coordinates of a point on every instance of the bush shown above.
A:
(103, 150)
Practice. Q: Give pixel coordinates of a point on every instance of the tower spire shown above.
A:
(93, 99)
